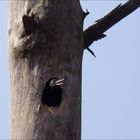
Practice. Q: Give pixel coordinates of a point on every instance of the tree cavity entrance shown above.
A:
(52, 92)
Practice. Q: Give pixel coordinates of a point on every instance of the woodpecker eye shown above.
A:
(52, 83)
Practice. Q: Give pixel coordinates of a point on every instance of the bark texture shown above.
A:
(45, 41)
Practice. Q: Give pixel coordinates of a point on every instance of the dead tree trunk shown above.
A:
(46, 40)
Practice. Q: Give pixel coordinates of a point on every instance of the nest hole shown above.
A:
(52, 93)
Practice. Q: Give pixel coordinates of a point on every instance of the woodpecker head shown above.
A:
(56, 82)
(52, 93)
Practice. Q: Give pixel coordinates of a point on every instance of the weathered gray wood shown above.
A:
(53, 50)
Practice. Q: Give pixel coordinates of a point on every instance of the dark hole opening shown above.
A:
(52, 92)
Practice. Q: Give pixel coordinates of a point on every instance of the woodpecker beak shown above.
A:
(59, 82)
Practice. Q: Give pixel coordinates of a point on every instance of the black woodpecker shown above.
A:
(52, 93)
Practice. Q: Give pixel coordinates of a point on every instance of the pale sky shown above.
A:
(111, 81)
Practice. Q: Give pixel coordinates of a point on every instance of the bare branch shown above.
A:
(95, 32)
(91, 52)
(85, 13)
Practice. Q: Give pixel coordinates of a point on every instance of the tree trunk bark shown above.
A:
(45, 41)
